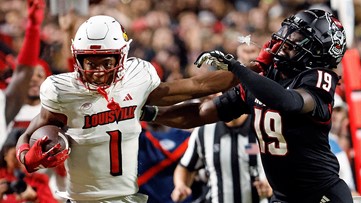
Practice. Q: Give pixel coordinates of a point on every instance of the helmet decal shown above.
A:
(337, 36)
(125, 35)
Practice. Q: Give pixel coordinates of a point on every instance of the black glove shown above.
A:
(216, 58)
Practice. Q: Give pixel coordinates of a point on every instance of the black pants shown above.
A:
(338, 193)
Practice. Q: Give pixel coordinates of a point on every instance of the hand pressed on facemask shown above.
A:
(265, 56)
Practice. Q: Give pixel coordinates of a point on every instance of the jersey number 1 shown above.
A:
(115, 147)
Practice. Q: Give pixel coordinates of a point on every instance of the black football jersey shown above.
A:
(294, 147)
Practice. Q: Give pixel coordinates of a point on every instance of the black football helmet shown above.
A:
(323, 46)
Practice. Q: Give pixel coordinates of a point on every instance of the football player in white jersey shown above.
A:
(14, 96)
(100, 105)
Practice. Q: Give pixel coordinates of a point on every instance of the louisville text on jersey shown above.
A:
(110, 116)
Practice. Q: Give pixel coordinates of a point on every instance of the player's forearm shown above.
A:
(30, 49)
(261, 87)
(185, 116)
(24, 138)
(199, 86)
(23, 141)
(214, 82)
(29, 52)
(176, 116)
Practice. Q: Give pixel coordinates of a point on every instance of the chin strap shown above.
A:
(112, 105)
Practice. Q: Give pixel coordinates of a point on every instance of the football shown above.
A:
(55, 135)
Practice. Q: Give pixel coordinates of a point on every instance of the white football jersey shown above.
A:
(104, 142)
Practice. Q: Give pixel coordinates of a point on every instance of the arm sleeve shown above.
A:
(30, 50)
(268, 91)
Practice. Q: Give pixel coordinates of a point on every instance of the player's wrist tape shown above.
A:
(23, 147)
(149, 113)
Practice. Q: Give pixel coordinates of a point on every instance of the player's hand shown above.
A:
(217, 59)
(57, 159)
(180, 193)
(266, 55)
(36, 11)
(35, 157)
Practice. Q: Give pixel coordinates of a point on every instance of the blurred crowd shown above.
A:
(172, 33)
(168, 33)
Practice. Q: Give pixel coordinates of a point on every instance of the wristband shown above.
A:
(149, 113)
(22, 148)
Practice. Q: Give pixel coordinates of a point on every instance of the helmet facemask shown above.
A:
(298, 62)
(108, 77)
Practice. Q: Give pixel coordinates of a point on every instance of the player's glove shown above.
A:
(35, 158)
(217, 59)
(57, 159)
(266, 55)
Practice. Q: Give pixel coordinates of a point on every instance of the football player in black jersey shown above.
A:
(290, 105)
